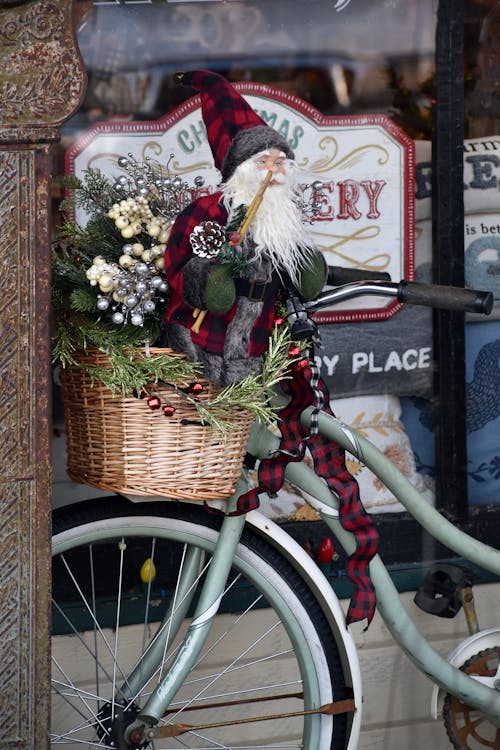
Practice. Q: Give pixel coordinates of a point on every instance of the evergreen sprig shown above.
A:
(133, 370)
(76, 334)
(230, 255)
(94, 193)
(253, 393)
(237, 219)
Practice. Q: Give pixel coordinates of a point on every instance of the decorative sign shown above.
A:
(365, 216)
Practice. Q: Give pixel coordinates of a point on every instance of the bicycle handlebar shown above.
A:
(406, 292)
(338, 275)
(445, 297)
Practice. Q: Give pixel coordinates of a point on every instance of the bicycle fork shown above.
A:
(206, 610)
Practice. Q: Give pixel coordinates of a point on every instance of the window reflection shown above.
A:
(370, 57)
(482, 64)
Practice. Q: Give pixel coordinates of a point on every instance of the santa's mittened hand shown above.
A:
(194, 280)
(312, 277)
(220, 291)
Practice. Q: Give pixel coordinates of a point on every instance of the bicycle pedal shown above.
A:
(439, 592)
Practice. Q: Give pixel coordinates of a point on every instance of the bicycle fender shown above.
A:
(460, 654)
(330, 605)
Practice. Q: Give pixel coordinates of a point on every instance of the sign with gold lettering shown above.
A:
(363, 215)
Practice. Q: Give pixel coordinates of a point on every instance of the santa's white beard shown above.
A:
(277, 229)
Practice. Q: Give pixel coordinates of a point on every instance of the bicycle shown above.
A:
(209, 578)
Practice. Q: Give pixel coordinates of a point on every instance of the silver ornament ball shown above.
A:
(141, 269)
(102, 303)
(136, 319)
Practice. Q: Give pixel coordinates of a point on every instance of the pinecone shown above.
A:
(207, 239)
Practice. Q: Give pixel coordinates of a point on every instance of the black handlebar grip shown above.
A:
(445, 297)
(338, 275)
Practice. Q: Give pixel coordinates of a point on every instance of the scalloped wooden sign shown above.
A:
(366, 164)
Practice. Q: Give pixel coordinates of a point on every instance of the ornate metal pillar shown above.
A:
(41, 84)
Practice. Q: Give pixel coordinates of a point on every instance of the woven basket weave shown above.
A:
(119, 444)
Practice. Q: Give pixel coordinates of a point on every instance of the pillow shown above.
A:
(377, 418)
(483, 412)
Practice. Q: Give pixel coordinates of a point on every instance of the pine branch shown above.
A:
(237, 219)
(83, 300)
(231, 256)
(95, 193)
(253, 392)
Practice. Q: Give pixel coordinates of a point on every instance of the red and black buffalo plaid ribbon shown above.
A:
(305, 390)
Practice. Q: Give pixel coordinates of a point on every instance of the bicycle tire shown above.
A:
(289, 629)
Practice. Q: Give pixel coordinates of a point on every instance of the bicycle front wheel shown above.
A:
(123, 572)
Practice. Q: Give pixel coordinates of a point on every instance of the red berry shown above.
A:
(168, 410)
(301, 364)
(279, 321)
(154, 403)
(196, 388)
(293, 350)
(326, 550)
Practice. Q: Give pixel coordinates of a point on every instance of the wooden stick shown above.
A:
(252, 210)
(243, 228)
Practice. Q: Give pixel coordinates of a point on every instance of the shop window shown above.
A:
(357, 57)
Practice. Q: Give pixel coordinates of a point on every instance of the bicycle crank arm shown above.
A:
(173, 730)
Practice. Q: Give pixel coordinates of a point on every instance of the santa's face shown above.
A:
(273, 161)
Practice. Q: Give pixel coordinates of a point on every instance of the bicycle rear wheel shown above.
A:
(269, 652)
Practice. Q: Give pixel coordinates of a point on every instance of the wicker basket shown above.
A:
(119, 444)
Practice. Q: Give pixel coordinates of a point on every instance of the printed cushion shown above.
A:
(378, 418)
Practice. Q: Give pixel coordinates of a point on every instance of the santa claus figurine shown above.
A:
(222, 307)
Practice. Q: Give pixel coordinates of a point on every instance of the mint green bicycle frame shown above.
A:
(427, 660)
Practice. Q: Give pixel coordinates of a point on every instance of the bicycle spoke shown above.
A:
(77, 694)
(122, 547)
(174, 607)
(90, 611)
(94, 609)
(165, 631)
(93, 654)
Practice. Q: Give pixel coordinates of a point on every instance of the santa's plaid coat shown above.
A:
(212, 334)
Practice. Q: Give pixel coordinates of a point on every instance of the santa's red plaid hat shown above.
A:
(235, 131)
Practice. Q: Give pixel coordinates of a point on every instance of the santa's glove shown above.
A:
(312, 276)
(220, 290)
(194, 280)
